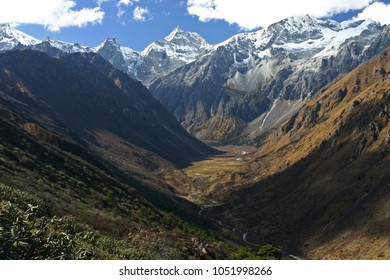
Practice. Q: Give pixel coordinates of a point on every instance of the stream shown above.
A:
(234, 229)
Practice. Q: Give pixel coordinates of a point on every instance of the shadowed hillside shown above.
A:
(92, 98)
(86, 100)
(322, 180)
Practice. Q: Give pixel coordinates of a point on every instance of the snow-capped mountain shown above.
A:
(175, 50)
(11, 38)
(54, 47)
(66, 47)
(255, 80)
(159, 58)
(301, 39)
(179, 45)
(246, 84)
(123, 58)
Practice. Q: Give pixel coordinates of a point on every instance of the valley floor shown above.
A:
(212, 178)
(211, 175)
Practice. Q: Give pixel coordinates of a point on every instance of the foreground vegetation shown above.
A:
(30, 231)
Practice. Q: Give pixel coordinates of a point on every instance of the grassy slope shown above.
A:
(319, 185)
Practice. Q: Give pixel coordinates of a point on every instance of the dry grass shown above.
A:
(214, 167)
(209, 176)
(232, 160)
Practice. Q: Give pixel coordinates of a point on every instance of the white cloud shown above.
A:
(139, 13)
(53, 14)
(126, 2)
(119, 2)
(377, 11)
(100, 2)
(120, 5)
(250, 14)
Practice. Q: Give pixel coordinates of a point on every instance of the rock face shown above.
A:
(254, 75)
(124, 59)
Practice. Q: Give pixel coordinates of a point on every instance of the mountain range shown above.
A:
(254, 81)
(238, 88)
(95, 127)
(159, 58)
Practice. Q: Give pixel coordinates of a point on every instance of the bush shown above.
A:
(269, 252)
(24, 234)
(28, 231)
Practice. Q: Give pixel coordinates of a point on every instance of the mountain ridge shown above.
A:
(160, 57)
(128, 100)
(244, 76)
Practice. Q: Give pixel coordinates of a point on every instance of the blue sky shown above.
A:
(137, 23)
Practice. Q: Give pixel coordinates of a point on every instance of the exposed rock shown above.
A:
(242, 77)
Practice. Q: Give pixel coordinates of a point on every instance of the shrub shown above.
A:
(269, 252)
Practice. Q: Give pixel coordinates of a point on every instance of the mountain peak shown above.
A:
(10, 38)
(7, 31)
(178, 40)
(178, 28)
(299, 22)
(306, 18)
(5, 26)
(109, 43)
(50, 39)
(112, 41)
(174, 33)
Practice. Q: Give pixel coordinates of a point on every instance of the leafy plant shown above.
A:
(269, 252)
